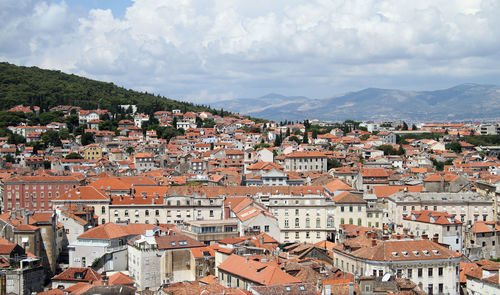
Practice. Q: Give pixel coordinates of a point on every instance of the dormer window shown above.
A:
(405, 254)
(436, 252)
(426, 252)
(395, 254)
(416, 253)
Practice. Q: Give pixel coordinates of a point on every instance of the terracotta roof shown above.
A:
(120, 278)
(112, 231)
(176, 241)
(337, 185)
(435, 217)
(307, 154)
(393, 250)
(384, 191)
(78, 274)
(256, 271)
(374, 172)
(348, 198)
(83, 193)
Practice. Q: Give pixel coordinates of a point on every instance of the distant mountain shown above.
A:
(463, 102)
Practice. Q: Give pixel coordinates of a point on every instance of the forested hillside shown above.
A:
(32, 86)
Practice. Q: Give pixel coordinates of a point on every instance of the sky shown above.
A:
(209, 50)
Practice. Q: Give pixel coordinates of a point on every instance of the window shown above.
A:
(318, 235)
(318, 223)
(211, 213)
(351, 208)
(307, 235)
(296, 211)
(286, 212)
(296, 222)
(410, 273)
(297, 235)
(157, 212)
(440, 288)
(342, 221)
(286, 222)
(266, 228)
(430, 289)
(359, 221)
(419, 272)
(429, 272)
(116, 213)
(146, 212)
(341, 208)
(308, 223)
(440, 271)
(126, 212)
(351, 221)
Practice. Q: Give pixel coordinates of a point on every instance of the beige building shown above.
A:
(303, 218)
(306, 161)
(434, 268)
(211, 231)
(466, 207)
(440, 226)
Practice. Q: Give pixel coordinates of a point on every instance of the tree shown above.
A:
(130, 150)
(405, 126)
(277, 140)
(294, 138)
(9, 158)
(73, 155)
(51, 137)
(413, 127)
(47, 164)
(287, 132)
(333, 163)
(401, 150)
(87, 138)
(387, 149)
(305, 139)
(64, 133)
(315, 133)
(454, 146)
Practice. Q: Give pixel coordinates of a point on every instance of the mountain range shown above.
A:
(465, 102)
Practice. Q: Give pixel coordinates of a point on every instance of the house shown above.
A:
(245, 272)
(105, 246)
(92, 152)
(74, 275)
(144, 161)
(432, 267)
(483, 240)
(306, 161)
(441, 226)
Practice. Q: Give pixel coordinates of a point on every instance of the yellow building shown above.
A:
(92, 152)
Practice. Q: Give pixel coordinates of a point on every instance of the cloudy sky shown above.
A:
(211, 50)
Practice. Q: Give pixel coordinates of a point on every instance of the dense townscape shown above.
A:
(181, 202)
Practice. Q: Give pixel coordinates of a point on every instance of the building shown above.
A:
(211, 231)
(104, 247)
(483, 240)
(306, 161)
(467, 207)
(244, 272)
(25, 279)
(432, 267)
(443, 227)
(92, 152)
(144, 161)
(306, 217)
(35, 192)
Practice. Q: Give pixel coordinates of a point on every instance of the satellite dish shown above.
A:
(386, 277)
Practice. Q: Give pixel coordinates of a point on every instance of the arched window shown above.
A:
(351, 221)
(359, 221)
(342, 221)
(146, 212)
(296, 222)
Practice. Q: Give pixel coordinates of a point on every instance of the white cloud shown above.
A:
(205, 50)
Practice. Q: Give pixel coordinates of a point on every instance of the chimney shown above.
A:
(412, 236)
(385, 238)
(374, 243)
(435, 239)
(398, 236)
(26, 218)
(425, 237)
(351, 288)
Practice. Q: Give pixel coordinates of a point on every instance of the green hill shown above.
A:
(32, 86)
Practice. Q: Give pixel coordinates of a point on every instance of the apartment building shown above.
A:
(434, 268)
(443, 227)
(303, 218)
(467, 207)
(35, 192)
(306, 161)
